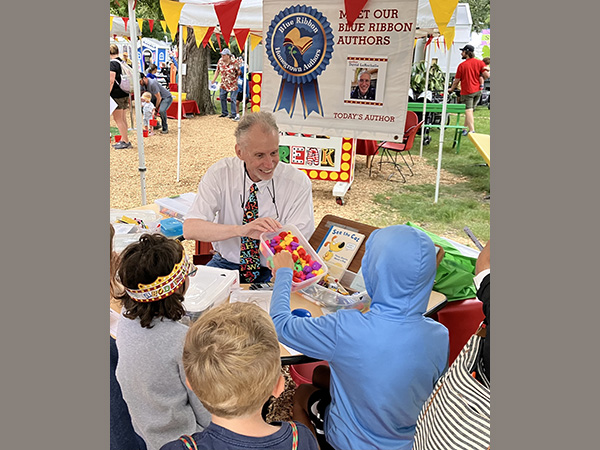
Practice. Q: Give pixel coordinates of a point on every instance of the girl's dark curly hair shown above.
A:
(143, 262)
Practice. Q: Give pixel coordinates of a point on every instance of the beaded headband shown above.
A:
(163, 286)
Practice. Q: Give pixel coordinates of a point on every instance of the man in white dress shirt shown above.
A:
(283, 194)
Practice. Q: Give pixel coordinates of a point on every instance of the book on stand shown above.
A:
(338, 248)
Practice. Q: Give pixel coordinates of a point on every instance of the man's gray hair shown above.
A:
(263, 119)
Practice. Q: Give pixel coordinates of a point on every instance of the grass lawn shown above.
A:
(458, 205)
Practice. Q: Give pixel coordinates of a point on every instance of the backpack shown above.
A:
(126, 83)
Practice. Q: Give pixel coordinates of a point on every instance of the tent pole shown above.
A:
(428, 59)
(136, 97)
(443, 124)
(245, 75)
(179, 99)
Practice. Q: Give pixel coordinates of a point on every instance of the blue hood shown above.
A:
(409, 254)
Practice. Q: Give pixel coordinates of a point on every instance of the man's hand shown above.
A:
(255, 228)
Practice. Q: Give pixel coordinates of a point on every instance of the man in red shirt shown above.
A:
(467, 74)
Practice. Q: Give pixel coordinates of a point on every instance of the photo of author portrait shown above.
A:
(363, 90)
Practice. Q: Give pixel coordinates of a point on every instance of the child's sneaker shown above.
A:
(236, 118)
(465, 132)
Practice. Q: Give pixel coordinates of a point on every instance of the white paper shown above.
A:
(291, 350)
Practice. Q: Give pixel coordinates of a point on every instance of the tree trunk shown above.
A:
(195, 81)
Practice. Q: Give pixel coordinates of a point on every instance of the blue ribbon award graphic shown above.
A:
(299, 45)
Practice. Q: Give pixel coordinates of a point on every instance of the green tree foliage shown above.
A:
(480, 14)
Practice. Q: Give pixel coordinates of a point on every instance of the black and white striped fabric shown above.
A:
(456, 416)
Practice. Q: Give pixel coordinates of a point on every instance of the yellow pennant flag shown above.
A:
(140, 23)
(184, 32)
(199, 33)
(254, 41)
(449, 37)
(111, 21)
(212, 45)
(163, 24)
(442, 12)
(171, 11)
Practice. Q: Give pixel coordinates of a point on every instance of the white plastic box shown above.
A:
(268, 254)
(210, 287)
(177, 206)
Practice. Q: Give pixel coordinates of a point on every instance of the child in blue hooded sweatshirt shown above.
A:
(383, 363)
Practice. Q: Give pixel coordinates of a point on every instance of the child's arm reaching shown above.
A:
(315, 337)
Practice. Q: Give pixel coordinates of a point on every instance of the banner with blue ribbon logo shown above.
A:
(299, 44)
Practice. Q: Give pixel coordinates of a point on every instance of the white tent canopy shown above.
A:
(118, 27)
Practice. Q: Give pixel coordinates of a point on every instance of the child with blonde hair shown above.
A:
(232, 362)
(148, 109)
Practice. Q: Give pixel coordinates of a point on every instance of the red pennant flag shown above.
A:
(430, 38)
(115, 37)
(353, 9)
(241, 35)
(218, 41)
(125, 20)
(227, 13)
(207, 36)
(151, 24)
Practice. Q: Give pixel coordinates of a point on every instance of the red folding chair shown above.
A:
(391, 150)
(462, 318)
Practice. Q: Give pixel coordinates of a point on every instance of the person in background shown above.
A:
(164, 69)
(240, 91)
(126, 59)
(228, 67)
(232, 362)
(148, 109)
(383, 363)
(486, 61)
(155, 275)
(163, 99)
(241, 197)
(468, 73)
(120, 97)
(151, 72)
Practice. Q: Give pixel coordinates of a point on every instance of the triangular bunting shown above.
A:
(449, 36)
(184, 33)
(227, 13)
(199, 33)
(218, 41)
(172, 11)
(163, 24)
(442, 12)
(125, 20)
(111, 21)
(254, 41)
(241, 35)
(140, 23)
(211, 44)
(429, 39)
(151, 24)
(353, 9)
(207, 36)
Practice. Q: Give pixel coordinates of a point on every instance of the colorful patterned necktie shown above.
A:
(249, 252)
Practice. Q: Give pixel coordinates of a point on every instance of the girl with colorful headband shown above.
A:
(154, 273)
